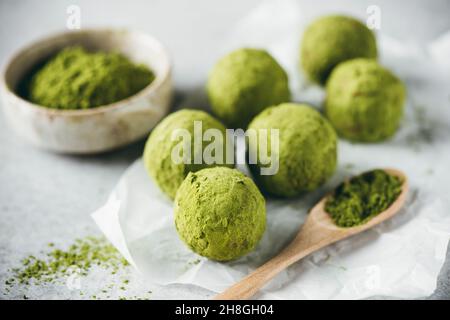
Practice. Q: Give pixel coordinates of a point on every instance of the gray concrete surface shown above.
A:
(46, 197)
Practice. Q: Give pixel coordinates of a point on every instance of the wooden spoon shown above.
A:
(317, 232)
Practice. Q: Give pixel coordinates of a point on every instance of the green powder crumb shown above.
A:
(134, 298)
(77, 79)
(349, 166)
(58, 263)
(358, 200)
(194, 262)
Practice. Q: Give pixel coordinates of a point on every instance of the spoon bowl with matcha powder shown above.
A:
(353, 207)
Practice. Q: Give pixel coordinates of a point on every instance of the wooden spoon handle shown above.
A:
(311, 238)
(248, 286)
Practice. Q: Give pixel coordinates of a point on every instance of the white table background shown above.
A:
(46, 197)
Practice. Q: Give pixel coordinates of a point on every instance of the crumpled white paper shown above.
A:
(401, 258)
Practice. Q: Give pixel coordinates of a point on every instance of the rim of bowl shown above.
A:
(153, 86)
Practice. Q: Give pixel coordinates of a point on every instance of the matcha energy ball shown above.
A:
(158, 150)
(364, 101)
(331, 40)
(307, 149)
(220, 213)
(245, 82)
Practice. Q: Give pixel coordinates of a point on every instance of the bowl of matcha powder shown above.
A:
(87, 91)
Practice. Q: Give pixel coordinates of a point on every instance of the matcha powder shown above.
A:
(57, 263)
(77, 79)
(358, 200)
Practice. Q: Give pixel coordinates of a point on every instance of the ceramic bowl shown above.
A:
(92, 130)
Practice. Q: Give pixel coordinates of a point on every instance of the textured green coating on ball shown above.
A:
(158, 150)
(220, 213)
(77, 79)
(307, 149)
(245, 82)
(331, 40)
(364, 101)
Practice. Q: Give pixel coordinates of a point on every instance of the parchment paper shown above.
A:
(401, 258)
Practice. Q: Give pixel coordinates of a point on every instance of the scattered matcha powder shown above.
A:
(358, 200)
(135, 297)
(58, 264)
(80, 256)
(77, 79)
(194, 262)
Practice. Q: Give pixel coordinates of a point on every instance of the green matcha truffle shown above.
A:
(77, 79)
(245, 82)
(160, 165)
(307, 149)
(220, 213)
(364, 101)
(331, 40)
